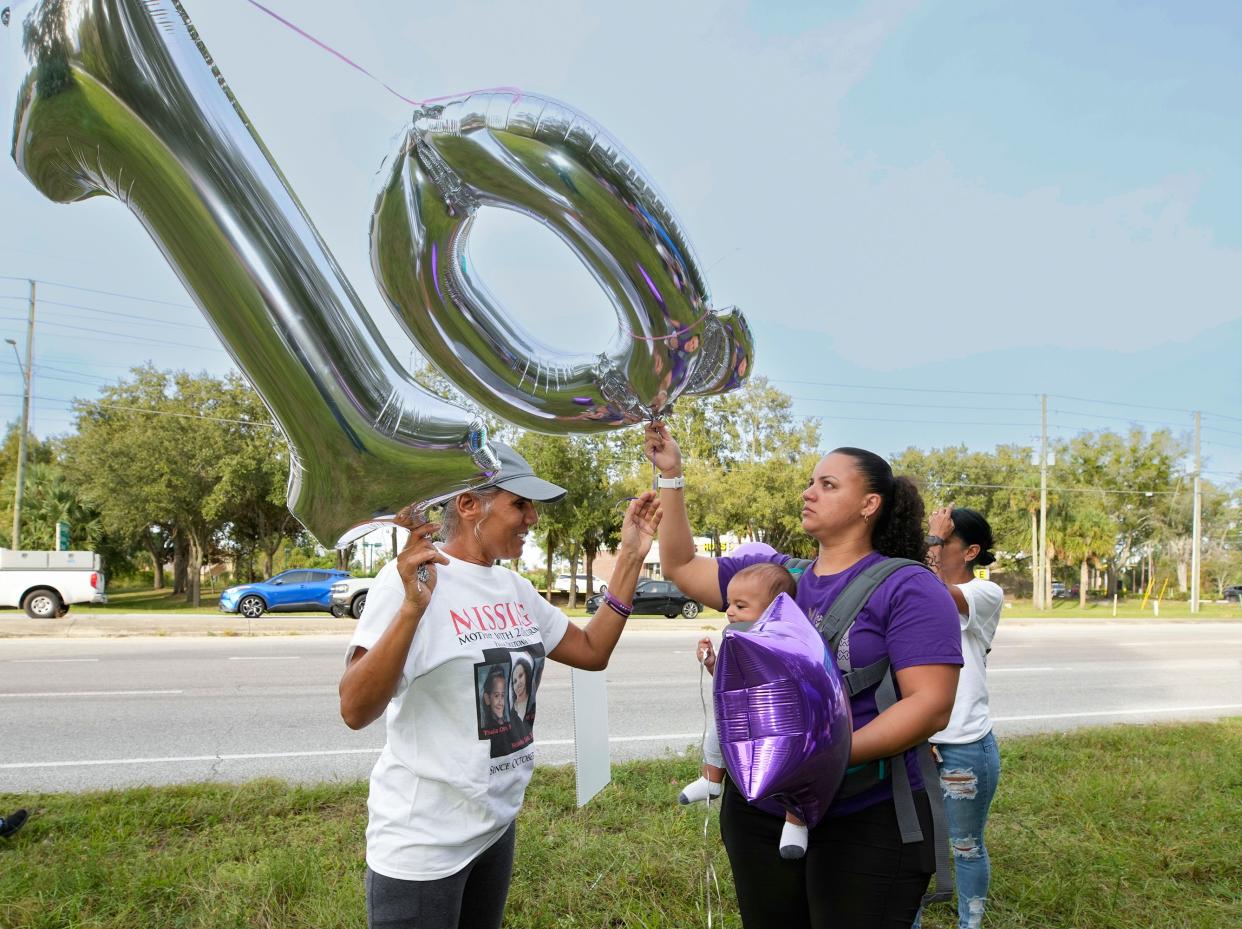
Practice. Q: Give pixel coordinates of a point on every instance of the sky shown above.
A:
(930, 213)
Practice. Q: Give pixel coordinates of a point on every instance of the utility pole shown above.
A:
(1197, 527)
(1036, 570)
(27, 372)
(1045, 574)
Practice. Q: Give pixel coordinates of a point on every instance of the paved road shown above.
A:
(79, 714)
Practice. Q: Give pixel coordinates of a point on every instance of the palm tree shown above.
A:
(1086, 538)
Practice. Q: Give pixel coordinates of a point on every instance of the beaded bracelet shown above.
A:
(617, 606)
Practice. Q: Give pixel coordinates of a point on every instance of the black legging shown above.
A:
(856, 874)
(473, 898)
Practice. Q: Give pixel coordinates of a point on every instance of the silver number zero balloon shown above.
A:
(540, 157)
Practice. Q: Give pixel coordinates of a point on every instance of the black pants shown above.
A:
(473, 898)
(857, 874)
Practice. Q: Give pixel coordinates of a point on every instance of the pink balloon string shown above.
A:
(357, 67)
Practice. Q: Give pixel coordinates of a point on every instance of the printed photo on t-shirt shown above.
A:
(492, 687)
(506, 682)
(523, 683)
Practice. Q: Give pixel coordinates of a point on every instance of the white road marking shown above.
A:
(96, 693)
(1132, 712)
(667, 737)
(184, 759)
(181, 759)
(1011, 670)
(50, 660)
(266, 658)
(1164, 643)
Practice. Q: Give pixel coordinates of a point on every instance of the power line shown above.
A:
(996, 393)
(139, 409)
(92, 290)
(67, 380)
(118, 313)
(919, 422)
(126, 335)
(70, 359)
(1140, 406)
(921, 390)
(1225, 431)
(1128, 419)
(1092, 489)
(923, 406)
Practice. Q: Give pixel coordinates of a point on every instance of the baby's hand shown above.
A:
(707, 655)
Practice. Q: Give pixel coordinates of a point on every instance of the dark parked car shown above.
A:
(660, 598)
(287, 592)
(1233, 594)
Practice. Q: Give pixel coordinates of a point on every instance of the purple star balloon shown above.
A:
(782, 713)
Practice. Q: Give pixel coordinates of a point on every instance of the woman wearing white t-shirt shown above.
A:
(439, 656)
(960, 540)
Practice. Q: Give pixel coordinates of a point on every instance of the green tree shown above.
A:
(253, 481)
(1087, 537)
(37, 453)
(170, 449)
(52, 498)
(1001, 484)
(599, 510)
(557, 459)
(748, 459)
(1132, 471)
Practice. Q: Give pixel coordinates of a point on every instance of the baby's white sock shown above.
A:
(793, 840)
(699, 790)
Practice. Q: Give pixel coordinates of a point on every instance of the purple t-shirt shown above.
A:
(911, 618)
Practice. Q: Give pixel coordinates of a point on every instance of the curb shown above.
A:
(163, 625)
(84, 625)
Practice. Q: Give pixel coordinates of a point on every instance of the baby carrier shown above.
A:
(834, 626)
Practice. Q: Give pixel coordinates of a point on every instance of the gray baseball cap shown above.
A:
(517, 477)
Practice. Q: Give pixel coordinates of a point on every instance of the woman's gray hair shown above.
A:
(450, 522)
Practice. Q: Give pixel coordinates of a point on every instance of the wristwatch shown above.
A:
(671, 483)
(934, 540)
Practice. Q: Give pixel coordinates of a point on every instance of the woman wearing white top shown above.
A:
(960, 540)
(440, 655)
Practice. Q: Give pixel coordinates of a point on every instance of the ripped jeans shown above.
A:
(968, 776)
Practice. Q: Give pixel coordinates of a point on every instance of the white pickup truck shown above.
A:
(349, 596)
(45, 584)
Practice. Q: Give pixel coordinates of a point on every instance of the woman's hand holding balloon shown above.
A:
(419, 552)
(662, 449)
(707, 655)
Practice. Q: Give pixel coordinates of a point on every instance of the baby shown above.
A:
(751, 591)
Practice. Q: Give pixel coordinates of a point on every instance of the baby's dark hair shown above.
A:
(897, 529)
(775, 578)
(970, 526)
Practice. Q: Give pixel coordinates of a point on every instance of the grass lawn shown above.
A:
(1129, 826)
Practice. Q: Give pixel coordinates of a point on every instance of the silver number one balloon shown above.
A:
(120, 98)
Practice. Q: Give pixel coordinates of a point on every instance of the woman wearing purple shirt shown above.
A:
(857, 872)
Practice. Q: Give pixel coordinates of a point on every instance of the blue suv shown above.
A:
(289, 591)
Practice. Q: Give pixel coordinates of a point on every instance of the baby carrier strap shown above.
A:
(834, 626)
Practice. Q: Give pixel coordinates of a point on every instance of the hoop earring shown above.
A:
(866, 518)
